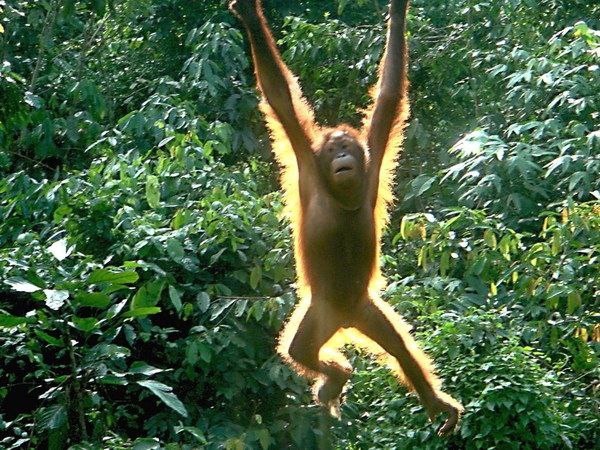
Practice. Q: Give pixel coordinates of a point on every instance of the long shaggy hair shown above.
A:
(290, 184)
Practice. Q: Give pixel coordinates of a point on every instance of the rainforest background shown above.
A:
(146, 268)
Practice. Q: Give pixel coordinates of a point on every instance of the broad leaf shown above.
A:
(9, 321)
(55, 298)
(52, 417)
(175, 297)
(175, 250)
(165, 393)
(152, 191)
(255, 276)
(86, 324)
(143, 368)
(148, 295)
(203, 301)
(21, 285)
(106, 276)
(59, 249)
(92, 299)
(140, 312)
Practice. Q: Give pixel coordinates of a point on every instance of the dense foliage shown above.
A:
(145, 269)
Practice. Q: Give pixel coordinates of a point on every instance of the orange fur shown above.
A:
(290, 184)
(329, 367)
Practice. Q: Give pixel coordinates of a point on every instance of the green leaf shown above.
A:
(573, 302)
(165, 141)
(240, 307)
(106, 276)
(203, 300)
(165, 393)
(48, 338)
(424, 183)
(143, 368)
(33, 100)
(21, 285)
(444, 263)
(255, 276)
(92, 299)
(195, 432)
(152, 191)
(148, 295)
(114, 380)
(139, 312)
(191, 353)
(504, 247)
(419, 186)
(9, 321)
(175, 297)
(222, 307)
(575, 179)
(205, 352)
(111, 288)
(52, 417)
(422, 258)
(556, 243)
(86, 324)
(490, 239)
(175, 250)
(55, 298)
(146, 444)
(258, 310)
(99, 6)
(180, 219)
(264, 437)
(403, 227)
(115, 309)
(478, 265)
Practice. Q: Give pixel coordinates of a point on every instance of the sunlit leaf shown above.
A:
(222, 307)
(148, 295)
(106, 276)
(403, 227)
(33, 100)
(573, 302)
(165, 141)
(21, 285)
(143, 368)
(444, 263)
(59, 249)
(152, 191)
(55, 298)
(10, 321)
(165, 393)
(490, 239)
(141, 312)
(86, 324)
